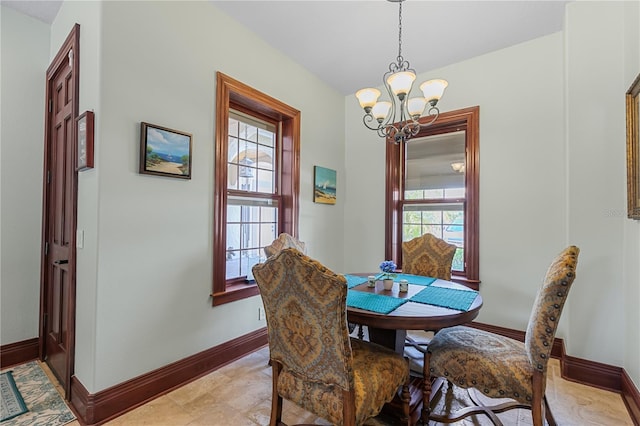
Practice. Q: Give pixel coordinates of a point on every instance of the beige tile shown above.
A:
(239, 394)
(162, 411)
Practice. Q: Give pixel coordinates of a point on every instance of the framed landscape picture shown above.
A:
(324, 183)
(164, 151)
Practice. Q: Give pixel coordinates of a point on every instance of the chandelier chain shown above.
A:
(399, 119)
(400, 32)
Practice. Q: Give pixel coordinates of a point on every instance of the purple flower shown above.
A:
(388, 266)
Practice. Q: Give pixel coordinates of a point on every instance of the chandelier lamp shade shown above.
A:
(397, 119)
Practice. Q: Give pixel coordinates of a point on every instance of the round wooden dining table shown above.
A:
(390, 329)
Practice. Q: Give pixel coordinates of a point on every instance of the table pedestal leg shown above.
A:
(393, 339)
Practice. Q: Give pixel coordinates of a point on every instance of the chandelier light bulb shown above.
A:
(433, 90)
(401, 83)
(415, 107)
(380, 110)
(367, 98)
(458, 167)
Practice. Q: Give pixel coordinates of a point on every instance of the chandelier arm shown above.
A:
(432, 114)
(368, 118)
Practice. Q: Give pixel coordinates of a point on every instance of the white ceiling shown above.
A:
(349, 44)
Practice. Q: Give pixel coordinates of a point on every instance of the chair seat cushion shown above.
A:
(378, 373)
(495, 365)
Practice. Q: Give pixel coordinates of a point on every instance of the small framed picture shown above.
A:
(164, 151)
(324, 184)
(84, 138)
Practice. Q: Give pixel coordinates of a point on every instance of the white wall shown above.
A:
(24, 60)
(157, 64)
(519, 91)
(597, 178)
(631, 232)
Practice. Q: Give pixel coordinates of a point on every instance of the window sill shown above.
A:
(235, 292)
(461, 279)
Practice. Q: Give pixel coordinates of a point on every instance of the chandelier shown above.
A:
(397, 120)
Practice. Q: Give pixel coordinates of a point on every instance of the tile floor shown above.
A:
(239, 394)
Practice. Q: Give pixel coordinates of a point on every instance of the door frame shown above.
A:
(71, 42)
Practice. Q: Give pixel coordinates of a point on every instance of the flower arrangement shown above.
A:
(388, 269)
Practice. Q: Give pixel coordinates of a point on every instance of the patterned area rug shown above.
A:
(10, 398)
(45, 405)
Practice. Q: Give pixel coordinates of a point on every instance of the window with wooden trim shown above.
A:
(433, 186)
(256, 183)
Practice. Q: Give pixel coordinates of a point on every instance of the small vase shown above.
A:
(388, 283)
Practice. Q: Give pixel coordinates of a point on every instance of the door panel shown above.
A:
(59, 214)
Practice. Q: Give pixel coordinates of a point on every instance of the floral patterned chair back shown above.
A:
(429, 256)
(314, 363)
(284, 241)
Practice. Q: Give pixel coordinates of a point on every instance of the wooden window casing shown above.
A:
(232, 94)
(468, 120)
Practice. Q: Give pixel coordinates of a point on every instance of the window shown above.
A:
(256, 183)
(436, 190)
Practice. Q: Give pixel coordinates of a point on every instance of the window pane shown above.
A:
(432, 229)
(232, 150)
(413, 195)
(265, 157)
(454, 193)
(232, 176)
(433, 194)
(250, 236)
(432, 216)
(248, 132)
(267, 233)
(266, 137)
(410, 232)
(233, 237)
(268, 214)
(233, 127)
(233, 265)
(412, 217)
(233, 214)
(458, 260)
(247, 179)
(265, 181)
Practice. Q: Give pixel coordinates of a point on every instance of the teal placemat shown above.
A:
(446, 297)
(412, 279)
(415, 279)
(354, 280)
(373, 302)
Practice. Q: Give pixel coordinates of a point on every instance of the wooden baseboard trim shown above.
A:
(95, 409)
(631, 397)
(19, 352)
(592, 373)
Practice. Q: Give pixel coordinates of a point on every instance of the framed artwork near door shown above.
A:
(164, 151)
(84, 136)
(633, 150)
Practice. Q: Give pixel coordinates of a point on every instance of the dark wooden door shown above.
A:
(59, 214)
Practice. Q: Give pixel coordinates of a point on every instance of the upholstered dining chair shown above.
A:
(500, 367)
(283, 241)
(314, 362)
(428, 255)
